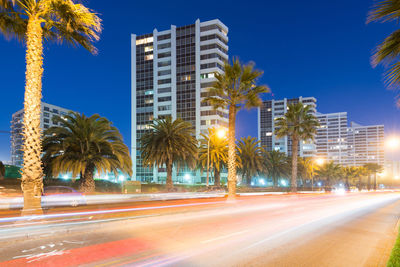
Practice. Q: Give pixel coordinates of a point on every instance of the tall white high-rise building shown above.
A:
(171, 71)
(366, 144)
(269, 112)
(331, 138)
(46, 121)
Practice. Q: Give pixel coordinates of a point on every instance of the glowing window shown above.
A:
(144, 41)
(148, 48)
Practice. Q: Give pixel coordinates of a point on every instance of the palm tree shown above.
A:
(234, 89)
(276, 165)
(251, 154)
(305, 168)
(218, 153)
(299, 124)
(169, 143)
(361, 172)
(350, 173)
(329, 171)
(2, 170)
(372, 168)
(33, 21)
(387, 53)
(82, 145)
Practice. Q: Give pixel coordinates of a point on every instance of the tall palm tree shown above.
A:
(387, 53)
(360, 174)
(33, 21)
(218, 153)
(372, 168)
(330, 172)
(234, 89)
(169, 143)
(276, 165)
(251, 154)
(350, 173)
(2, 170)
(82, 145)
(305, 168)
(299, 124)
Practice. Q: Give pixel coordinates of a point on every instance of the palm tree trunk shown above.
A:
(248, 179)
(32, 172)
(328, 185)
(293, 183)
(375, 181)
(169, 183)
(347, 184)
(369, 182)
(232, 153)
(359, 183)
(87, 184)
(217, 177)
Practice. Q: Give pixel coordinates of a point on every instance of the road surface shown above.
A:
(356, 229)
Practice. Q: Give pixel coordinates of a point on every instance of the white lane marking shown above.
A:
(223, 237)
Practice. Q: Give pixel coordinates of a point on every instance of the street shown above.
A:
(355, 229)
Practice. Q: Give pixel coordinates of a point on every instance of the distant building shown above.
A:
(272, 110)
(392, 169)
(331, 138)
(366, 144)
(171, 72)
(46, 121)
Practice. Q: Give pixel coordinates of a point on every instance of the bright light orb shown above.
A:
(393, 143)
(187, 176)
(262, 181)
(121, 177)
(221, 133)
(320, 161)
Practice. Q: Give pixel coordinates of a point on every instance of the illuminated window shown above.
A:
(144, 41)
(268, 134)
(148, 57)
(148, 48)
(186, 78)
(207, 75)
(148, 101)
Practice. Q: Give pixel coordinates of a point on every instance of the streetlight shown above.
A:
(220, 133)
(319, 162)
(393, 142)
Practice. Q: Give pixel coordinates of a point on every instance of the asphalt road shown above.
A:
(355, 229)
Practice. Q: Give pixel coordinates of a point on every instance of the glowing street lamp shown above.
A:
(393, 143)
(220, 133)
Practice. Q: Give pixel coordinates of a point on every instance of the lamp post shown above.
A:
(220, 134)
(319, 162)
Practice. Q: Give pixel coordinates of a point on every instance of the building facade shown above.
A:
(48, 111)
(366, 144)
(331, 138)
(272, 110)
(171, 71)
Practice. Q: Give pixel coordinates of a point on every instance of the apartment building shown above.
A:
(46, 121)
(272, 110)
(171, 71)
(331, 138)
(366, 144)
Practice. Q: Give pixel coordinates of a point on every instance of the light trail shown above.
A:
(49, 216)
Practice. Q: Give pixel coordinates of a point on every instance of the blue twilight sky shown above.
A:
(309, 48)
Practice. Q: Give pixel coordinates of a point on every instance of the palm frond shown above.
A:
(384, 10)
